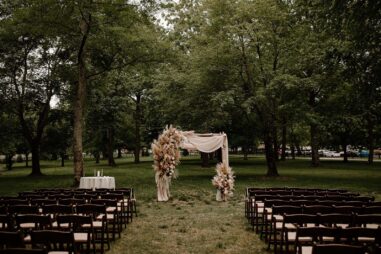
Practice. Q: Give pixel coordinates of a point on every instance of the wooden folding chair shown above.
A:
(11, 240)
(53, 240)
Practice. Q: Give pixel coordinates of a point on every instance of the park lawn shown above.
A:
(192, 221)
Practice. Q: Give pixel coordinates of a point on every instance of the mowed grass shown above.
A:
(192, 221)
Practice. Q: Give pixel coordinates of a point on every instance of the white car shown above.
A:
(331, 154)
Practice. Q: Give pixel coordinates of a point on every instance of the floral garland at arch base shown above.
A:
(166, 156)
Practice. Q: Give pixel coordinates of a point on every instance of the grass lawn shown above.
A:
(192, 221)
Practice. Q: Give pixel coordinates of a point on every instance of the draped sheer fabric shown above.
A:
(206, 143)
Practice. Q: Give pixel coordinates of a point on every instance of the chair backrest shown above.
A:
(71, 201)
(352, 234)
(11, 239)
(346, 209)
(280, 210)
(86, 196)
(94, 210)
(300, 219)
(337, 249)
(372, 210)
(53, 240)
(74, 221)
(57, 209)
(12, 202)
(113, 196)
(336, 219)
(23, 209)
(35, 220)
(315, 209)
(43, 201)
(318, 234)
(366, 219)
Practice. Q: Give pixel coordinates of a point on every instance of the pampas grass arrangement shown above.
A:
(166, 156)
(224, 180)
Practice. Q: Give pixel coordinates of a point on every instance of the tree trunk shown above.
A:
(97, 157)
(26, 159)
(62, 159)
(8, 160)
(275, 142)
(245, 153)
(36, 171)
(119, 152)
(204, 160)
(284, 141)
(137, 128)
(293, 151)
(79, 102)
(298, 150)
(110, 147)
(370, 126)
(344, 145)
(270, 154)
(314, 145)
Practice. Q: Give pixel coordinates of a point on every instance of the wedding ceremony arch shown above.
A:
(166, 155)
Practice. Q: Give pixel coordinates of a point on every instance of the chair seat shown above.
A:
(366, 239)
(111, 209)
(28, 225)
(306, 249)
(328, 239)
(80, 237)
(292, 237)
(27, 239)
(372, 225)
(279, 225)
(96, 224)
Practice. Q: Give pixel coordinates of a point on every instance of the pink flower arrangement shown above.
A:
(224, 180)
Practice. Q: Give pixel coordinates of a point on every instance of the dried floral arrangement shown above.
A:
(166, 156)
(224, 180)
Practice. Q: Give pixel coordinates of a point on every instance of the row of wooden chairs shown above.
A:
(66, 193)
(277, 208)
(364, 240)
(257, 200)
(89, 227)
(42, 242)
(34, 205)
(281, 225)
(258, 213)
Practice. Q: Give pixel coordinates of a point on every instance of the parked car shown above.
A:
(327, 153)
(364, 153)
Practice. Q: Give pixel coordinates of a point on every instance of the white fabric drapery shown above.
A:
(206, 143)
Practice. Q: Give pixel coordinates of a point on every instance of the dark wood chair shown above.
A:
(98, 212)
(6, 222)
(336, 220)
(82, 226)
(11, 240)
(368, 220)
(52, 240)
(23, 209)
(315, 209)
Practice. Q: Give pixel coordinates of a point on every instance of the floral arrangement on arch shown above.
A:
(166, 153)
(224, 180)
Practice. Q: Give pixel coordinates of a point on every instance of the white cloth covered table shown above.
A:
(96, 182)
